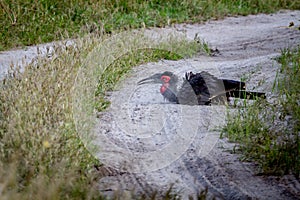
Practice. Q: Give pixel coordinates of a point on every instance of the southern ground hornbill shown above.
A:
(200, 88)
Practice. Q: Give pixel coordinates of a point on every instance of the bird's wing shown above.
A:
(220, 87)
(204, 82)
(194, 90)
(187, 95)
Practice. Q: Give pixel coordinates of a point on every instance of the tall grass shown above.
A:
(27, 22)
(40, 151)
(268, 133)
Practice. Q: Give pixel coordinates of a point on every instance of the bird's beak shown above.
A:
(152, 79)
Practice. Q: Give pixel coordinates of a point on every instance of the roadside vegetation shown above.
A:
(268, 132)
(27, 22)
(41, 156)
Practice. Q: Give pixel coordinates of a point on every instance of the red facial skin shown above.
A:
(165, 79)
(165, 84)
(164, 87)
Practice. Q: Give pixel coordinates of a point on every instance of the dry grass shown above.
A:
(40, 150)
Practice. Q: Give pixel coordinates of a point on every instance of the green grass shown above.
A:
(268, 133)
(27, 22)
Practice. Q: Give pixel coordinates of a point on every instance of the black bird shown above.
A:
(200, 88)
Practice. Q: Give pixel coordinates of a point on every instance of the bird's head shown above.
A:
(162, 78)
(168, 87)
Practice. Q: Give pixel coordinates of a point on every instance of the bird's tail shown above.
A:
(243, 94)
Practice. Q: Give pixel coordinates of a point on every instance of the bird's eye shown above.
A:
(165, 79)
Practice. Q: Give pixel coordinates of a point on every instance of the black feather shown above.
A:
(170, 96)
(203, 89)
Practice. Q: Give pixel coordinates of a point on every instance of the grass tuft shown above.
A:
(269, 132)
